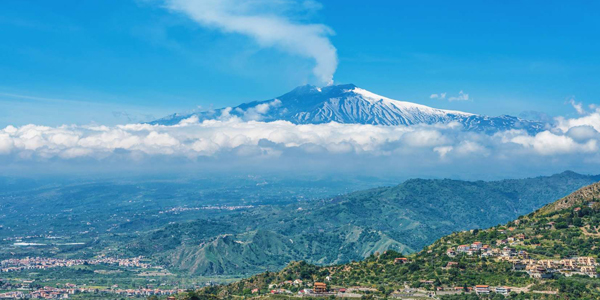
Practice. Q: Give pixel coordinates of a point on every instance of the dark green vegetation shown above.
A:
(574, 232)
(403, 218)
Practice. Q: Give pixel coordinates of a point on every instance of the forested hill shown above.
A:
(553, 253)
(403, 218)
(419, 211)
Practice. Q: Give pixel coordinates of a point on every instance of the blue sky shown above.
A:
(109, 62)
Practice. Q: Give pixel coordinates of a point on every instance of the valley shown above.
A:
(299, 149)
(183, 246)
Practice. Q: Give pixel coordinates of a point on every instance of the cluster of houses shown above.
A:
(521, 261)
(310, 288)
(478, 248)
(71, 289)
(20, 238)
(19, 264)
(545, 268)
(321, 289)
(12, 295)
(180, 209)
(485, 289)
(479, 289)
(441, 291)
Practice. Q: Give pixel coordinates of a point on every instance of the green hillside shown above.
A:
(402, 218)
(552, 253)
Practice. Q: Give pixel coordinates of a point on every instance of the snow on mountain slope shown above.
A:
(350, 104)
(356, 105)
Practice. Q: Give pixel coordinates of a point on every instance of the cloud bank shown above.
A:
(269, 24)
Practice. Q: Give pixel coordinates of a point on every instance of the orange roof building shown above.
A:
(320, 287)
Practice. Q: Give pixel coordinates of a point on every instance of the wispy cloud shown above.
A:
(19, 108)
(440, 96)
(34, 98)
(270, 24)
(461, 97)
(578, 106)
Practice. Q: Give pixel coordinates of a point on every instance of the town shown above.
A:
(27, 263)
(71, 289)
(207, 207)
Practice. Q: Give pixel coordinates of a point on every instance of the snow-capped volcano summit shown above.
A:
(348, 103)
(351, 104)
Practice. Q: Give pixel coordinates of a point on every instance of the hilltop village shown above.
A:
(536, 268)
(321, 289)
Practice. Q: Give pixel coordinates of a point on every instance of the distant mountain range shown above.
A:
(350, 104)
(404, 218)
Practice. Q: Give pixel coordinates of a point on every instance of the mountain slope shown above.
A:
(351, 104)
(403, 218)
(586, 194)
(527, 255)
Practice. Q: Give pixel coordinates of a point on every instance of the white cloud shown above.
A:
(564, 124)
(443, 150)
(160, 140)
(471, 147)
(190, 120)
(547, 143)
(6, 144)
(574, 140)
(461, 97)
(256, 113)
(577, 106)
(440, 96)
(269, 24)
(583, 133)
(425, 138)
(205, 147)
